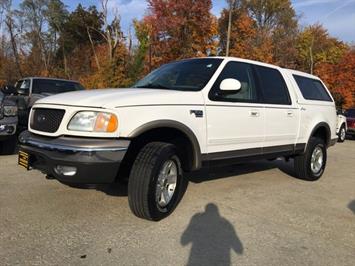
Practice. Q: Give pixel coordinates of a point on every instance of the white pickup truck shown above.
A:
(180, 117)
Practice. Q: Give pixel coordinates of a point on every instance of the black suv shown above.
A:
(8, 124)
(31, 89)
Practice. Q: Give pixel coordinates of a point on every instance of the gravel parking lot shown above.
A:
(250, 214)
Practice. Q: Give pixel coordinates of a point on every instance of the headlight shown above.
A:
(10, 110)
(93, 122)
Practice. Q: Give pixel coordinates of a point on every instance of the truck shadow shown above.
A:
(351, 206)
(212, 238)
(205, 174)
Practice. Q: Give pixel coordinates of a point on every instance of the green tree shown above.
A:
(314, 46)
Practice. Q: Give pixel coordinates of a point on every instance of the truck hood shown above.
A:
(112, 98)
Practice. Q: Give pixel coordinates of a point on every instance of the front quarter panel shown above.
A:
(136, 117)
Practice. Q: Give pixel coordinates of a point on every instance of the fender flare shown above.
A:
(197, 161)
(328, 131)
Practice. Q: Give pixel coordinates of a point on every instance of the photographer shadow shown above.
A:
(351, 206)
(212, 238)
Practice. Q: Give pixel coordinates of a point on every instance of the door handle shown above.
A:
(290, 113)
(254, 113)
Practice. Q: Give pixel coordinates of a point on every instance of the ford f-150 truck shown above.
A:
(175, 120)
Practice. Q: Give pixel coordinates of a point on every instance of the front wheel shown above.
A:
(310, 165)
(156, 183)
(342, 134)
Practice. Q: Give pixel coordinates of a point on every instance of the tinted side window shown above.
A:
(242, 72)
(272, 86)
(312, 89)
(54, 86)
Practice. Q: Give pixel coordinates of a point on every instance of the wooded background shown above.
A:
(44, 38)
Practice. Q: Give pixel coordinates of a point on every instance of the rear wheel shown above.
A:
(342, 134)
(156, 183)
(310, 165)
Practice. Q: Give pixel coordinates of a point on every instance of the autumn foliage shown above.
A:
(44, 38)
(340, 78)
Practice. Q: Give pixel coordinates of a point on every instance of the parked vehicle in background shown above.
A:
(341, 127)
(8, 124)
(31, 89)
(180, 117)
(350, 119)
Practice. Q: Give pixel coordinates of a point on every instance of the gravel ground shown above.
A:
(250, 214)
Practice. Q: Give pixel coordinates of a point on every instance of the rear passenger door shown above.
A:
(281, 112)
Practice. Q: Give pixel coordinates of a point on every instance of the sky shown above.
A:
(338, 16)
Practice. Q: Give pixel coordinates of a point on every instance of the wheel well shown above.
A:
(183, 143)
(322, 132)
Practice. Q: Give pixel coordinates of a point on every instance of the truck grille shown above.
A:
(46, 120)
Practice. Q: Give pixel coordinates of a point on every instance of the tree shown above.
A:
(180, 29)
(314, 46)
(243, 36)
(140, 55)
(75, 43)
(10, 22)
(33, 15)
(276, 23)
(57, 16)
(112, 32)
(340, 78)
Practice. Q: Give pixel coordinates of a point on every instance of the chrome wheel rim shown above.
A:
(342, 134)
(317, 160)
(166, 183)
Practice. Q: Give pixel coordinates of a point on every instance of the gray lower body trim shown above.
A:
(257, 153)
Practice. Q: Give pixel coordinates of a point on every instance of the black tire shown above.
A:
(341, 137)
(143, 180)
(8, 146)
(302, 163)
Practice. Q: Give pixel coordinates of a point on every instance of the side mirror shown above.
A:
(23, 91)
(230, 85)
(8, 90)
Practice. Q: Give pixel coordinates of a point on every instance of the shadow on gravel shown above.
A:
(115, 189)
(212, 238)
(351, 206)
(213, 173)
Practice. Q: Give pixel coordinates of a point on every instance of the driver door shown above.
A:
(235, 119)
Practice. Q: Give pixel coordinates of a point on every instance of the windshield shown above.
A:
(186, 75)
(23, 85)
(54, 86)
(350, 113)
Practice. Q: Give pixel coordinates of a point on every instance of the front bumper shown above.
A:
(96, 160)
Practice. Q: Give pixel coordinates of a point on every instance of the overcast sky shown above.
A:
(338, 16)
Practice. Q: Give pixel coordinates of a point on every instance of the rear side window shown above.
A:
(272, 86)
(54, 86)
(312, 89)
